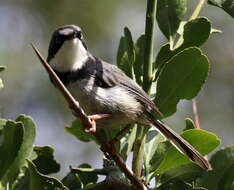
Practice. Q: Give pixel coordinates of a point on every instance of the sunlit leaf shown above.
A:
(201, 140)
(181, 78)
(195, 33)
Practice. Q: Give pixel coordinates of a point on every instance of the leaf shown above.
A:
(127, 143)
(72, 181)
(195, 33)
(202, 141)
(77, 130)
(221, 162)
(227, 180)
(138, 65)
(18, 141)
(12, 140)
(188, 172)
(189, 124)
(226, 5)
(39, 181)
(45, 162)
(169, 15)
(87, 178)
(129, 45)
(126, 53)
(181, 78)
(153, 138)
(2, 68)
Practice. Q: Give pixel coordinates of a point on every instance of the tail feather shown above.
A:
(181, 144)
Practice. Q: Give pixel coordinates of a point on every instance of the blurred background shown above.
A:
(28, 90)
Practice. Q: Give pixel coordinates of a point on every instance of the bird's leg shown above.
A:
(112, 142)
(92, 122)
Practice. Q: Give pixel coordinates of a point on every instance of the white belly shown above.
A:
(122, 106)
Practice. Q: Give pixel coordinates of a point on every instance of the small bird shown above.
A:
(107, 95)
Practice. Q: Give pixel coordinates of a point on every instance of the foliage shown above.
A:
(180, 70)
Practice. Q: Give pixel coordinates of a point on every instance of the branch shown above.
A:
(74, 105)
(195, 113)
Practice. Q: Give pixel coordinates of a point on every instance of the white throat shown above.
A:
(70, 57)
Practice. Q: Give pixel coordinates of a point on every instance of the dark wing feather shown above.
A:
(108, 76)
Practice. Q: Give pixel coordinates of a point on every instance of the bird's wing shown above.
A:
(108, 76)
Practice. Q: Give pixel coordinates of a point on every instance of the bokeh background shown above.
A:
(28, 90)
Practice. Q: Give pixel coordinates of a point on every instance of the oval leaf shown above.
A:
(195, 33)
(181, 78)
(202, 141)
(169, 15)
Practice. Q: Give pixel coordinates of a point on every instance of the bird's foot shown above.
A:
(109, 149)
(92, 121)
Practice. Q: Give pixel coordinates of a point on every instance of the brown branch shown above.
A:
(74, 105)
(195, 113)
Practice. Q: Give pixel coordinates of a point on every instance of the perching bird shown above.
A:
(105, 93)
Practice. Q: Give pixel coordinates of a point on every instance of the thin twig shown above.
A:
(74, 105)
(195, 113)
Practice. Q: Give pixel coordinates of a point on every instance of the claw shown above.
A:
(92, 120)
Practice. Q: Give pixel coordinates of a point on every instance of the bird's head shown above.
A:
(67, 49)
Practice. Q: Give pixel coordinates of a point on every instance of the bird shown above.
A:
(106, 93)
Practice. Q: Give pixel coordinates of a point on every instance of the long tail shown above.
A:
(180, 143)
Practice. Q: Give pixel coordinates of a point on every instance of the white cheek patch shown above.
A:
(70, 57)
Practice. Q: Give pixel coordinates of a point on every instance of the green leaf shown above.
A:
(188, 172)
(17, 146)
(39, 181)
(181, 78)
(138, 65)
(2, 123)
(153, 138)
(77, 130)
(126, 53)
(129, 45)
(201, 140)
(127, 143)
(87, 177)
(2, 68)
(222, 163)
(195, 33)
(227, 181)
(12, 140)
(189, 124)
(226, 5)
(45, 162)
(72, 181)
(169, 15)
